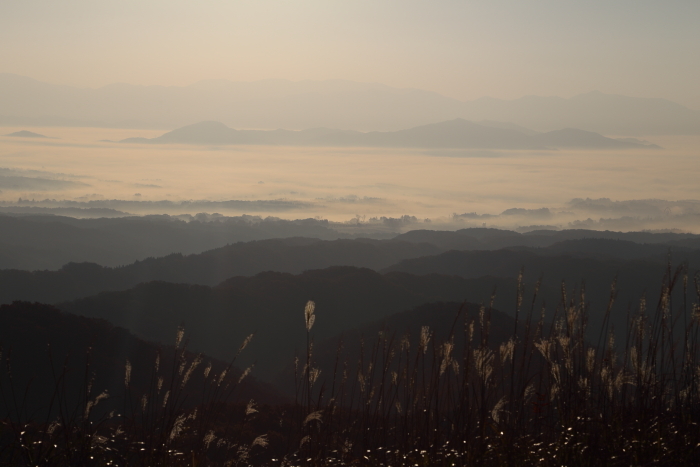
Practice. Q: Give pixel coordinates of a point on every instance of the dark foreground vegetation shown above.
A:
(475, 387)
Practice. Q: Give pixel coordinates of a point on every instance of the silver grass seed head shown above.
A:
(313, 416)
(590, 359)
(483, 362)
(195, 363)
(52, 427)
(544, 346)
(251, 408)
(260, 441)
(455, 366)
(506, 350)
(209, 438)
(405, 342)
(496, 412)
(313, 375)
(424, 338)
(309, 316)
(179, 335)
(178, 426)
(127, 373)
(245, 374)
(245, 343)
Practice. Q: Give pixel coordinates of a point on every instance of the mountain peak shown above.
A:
(453, 134)
(26, 134)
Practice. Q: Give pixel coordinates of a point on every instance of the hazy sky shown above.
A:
(464, 49)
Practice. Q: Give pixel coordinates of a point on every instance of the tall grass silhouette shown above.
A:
(158, 426)
(547, 395)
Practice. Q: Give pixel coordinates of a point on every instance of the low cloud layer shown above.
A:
(519, 189)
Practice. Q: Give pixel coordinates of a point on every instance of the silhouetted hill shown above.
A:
(489, 239)
(271, 304)
(40, 343)
(294, 255)
(458, 133)
(635, 277)
(26, 134)
(37, 242)
(274, 300)
(510, 126)
(620, 249)
(573, 138)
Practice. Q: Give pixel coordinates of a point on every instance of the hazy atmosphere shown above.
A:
(463, 50)
(333, 233)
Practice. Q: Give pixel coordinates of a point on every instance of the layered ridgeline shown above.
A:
(565, 255)
(39, 241)
(223, 294)
(453, 134)
(269, 303)
(44, 241)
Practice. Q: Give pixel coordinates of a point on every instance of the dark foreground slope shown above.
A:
(51, 354)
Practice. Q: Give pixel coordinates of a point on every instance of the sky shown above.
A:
(462, 49)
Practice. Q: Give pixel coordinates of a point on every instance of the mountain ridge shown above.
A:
(335, 103)
(26, 134)
(451, 134)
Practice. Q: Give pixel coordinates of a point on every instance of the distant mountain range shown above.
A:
(223, 294)
(26, 134)
(233, 290)
(269, 303)
(333, 103)
(458, 133)
(80, 242)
